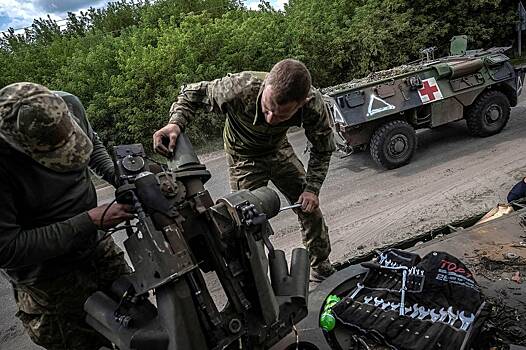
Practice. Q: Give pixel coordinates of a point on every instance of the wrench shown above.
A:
(377, 301)
(367, 300)
(423, 312)
(415, 311)
(434, 316)
(394, 306)
(466, 321)
(385, 305)
(407, 310)
(453, 317)
(358, 288)
(443, 314)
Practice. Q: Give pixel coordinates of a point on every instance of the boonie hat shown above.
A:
(38, 123)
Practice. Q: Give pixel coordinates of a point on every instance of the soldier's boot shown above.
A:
(321, 271)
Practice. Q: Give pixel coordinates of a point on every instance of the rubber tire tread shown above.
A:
(474, 113)
(378, 138)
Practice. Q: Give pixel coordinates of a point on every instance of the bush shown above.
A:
(128, 61)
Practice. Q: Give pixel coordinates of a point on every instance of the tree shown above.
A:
(126, 62)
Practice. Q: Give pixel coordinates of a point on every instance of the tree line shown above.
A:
(127, 62)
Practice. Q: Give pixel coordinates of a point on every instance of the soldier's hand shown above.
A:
(518, 191)
(309, 202)
(106, 218)
(164, 139)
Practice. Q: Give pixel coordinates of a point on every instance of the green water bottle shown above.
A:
(327, 320)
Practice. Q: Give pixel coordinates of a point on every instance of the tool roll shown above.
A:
(409, 302)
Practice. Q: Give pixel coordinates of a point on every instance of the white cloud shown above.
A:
(21, 13)
(252, 4)
(63, 6)
(281, 3)
(277, 4)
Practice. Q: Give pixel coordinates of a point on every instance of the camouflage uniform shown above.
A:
(52, 311)
(258, 152)
(51, 251)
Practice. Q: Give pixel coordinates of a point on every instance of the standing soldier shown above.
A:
(260, 108)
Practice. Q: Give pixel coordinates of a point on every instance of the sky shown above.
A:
(20, 13)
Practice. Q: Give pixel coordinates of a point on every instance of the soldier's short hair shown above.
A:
(290, 80)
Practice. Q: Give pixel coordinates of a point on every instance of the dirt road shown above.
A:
(452, 176)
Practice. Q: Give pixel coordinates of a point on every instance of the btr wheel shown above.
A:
(489, 114)
(393, 144)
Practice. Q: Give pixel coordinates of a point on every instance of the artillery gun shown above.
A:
(182, 233)
(165, 304)
(383, 110)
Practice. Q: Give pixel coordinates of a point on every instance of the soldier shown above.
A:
(260, 108)
(52, 248)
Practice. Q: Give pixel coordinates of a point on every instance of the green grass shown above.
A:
(519, 60)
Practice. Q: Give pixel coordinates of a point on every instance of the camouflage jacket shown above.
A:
(45, 230)
(246, 133)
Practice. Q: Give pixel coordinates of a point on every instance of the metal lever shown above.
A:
(293, 206)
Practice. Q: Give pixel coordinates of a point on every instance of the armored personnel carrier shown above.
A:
(383, 110)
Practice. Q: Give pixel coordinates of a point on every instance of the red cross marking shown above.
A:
(428, 90)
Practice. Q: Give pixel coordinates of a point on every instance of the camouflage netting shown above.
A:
(374, 76)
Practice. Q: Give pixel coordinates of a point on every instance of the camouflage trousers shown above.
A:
(52, 311)
(287, 173)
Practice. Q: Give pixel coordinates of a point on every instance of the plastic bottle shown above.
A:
(327, 320)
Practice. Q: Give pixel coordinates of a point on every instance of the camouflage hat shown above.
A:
(37, 122)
